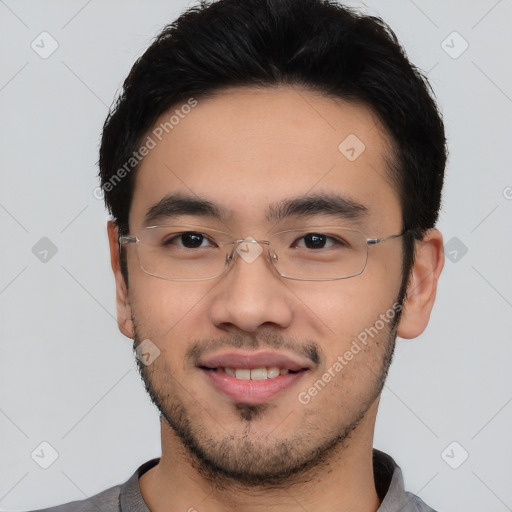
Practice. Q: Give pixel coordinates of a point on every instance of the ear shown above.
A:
(422, 286)
(124, 312)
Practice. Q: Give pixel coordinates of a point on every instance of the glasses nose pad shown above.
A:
(230, 256)
(273, 259)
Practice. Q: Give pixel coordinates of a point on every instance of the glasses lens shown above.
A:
(182, 252)
(195, 253)
(320, 253)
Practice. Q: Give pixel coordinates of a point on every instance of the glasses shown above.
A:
(195, 253)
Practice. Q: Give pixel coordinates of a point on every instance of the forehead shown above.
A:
(248, 148)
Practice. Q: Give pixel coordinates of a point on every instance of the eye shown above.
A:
(188, 240)
(316, 241)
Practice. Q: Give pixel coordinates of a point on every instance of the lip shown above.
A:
(251, 360)
(253, 391)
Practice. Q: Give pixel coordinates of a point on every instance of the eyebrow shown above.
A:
(317, 204)
(175, 205)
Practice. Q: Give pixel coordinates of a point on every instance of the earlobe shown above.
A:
(422, 286)
(124, 313)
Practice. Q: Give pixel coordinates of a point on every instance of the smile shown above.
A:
(253, 374)
(253, 377)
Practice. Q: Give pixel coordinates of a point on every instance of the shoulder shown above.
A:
(124, 496)
(389, 483)
(105, 501)
(417, 504)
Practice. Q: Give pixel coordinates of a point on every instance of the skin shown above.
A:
(245, 149)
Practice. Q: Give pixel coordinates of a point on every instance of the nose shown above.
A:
(251, 294)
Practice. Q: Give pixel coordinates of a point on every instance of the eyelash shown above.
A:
(178, 236)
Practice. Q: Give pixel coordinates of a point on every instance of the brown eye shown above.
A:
(188, 240)
(315, 241)
(192, 240)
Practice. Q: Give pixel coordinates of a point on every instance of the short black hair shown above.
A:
(317, 44)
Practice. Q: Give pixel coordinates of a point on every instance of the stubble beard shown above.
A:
(249, 460)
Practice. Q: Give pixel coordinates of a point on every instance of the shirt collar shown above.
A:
(389, 483)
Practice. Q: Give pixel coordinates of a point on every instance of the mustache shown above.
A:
(307, 348)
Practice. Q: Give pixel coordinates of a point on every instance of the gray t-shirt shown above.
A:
(128, 498)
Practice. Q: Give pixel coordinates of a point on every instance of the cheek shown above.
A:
(167, 309)
(345, 308)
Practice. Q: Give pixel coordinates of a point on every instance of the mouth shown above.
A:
(252, 374)
(253, 378)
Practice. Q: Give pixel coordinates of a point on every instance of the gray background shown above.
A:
(68, 377)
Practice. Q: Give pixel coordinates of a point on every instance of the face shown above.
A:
(248, 152)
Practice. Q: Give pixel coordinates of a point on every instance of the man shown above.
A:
(274, 172)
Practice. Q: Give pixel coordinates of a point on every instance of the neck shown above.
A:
(344, 481)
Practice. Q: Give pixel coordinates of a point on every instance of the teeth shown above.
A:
(272, 372)
(259, 374)
(256, 373)
(230, 371)
(243, 373)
